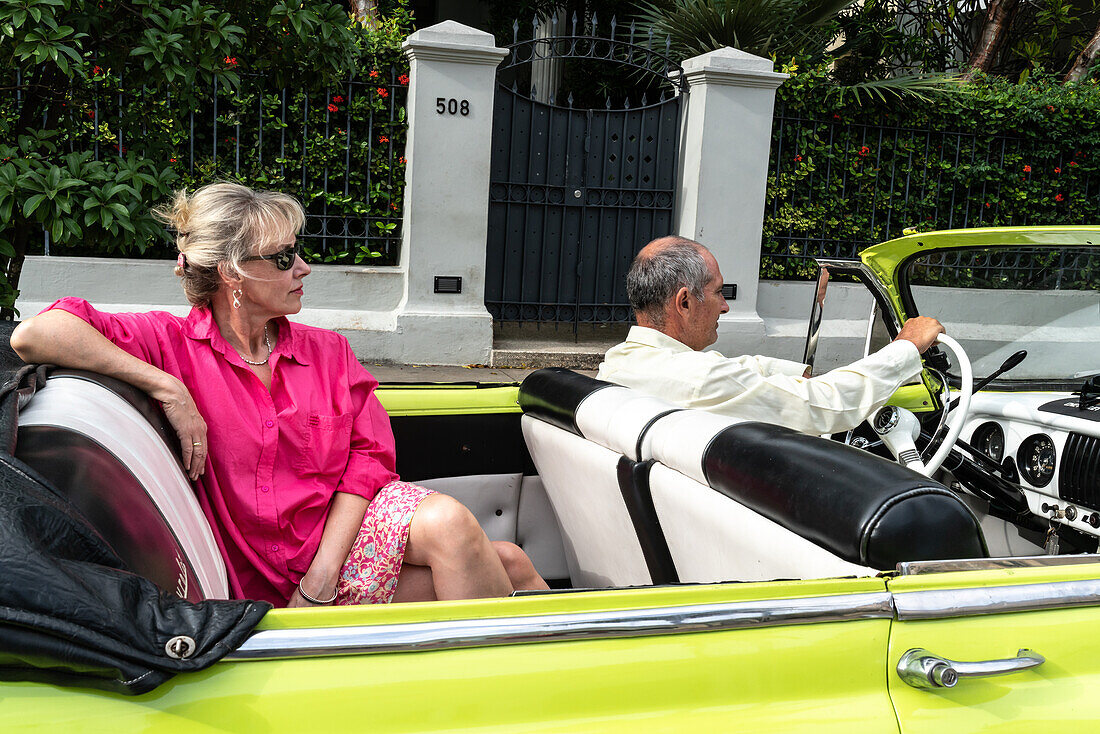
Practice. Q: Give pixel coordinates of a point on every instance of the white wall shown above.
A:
(362, 303)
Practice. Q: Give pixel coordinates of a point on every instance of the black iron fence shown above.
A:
(339, 150)
(1020, 268)
(836, 187)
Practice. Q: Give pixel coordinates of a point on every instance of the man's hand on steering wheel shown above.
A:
(922, 331)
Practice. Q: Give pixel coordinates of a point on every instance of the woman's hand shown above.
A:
(183, 414)
(345, 518)
(324, 591)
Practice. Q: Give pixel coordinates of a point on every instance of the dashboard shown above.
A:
(1049, 446)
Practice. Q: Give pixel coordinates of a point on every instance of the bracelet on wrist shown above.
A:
(311, 600)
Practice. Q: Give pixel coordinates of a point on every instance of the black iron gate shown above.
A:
(576, 191)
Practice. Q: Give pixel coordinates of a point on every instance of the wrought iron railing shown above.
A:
(1020, 268)
(340, 150)
(836, 187)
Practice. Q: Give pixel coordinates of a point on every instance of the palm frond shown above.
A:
(915, 86)
(819, 12)
(700, 26)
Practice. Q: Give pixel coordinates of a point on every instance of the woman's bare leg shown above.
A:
(521, 572)
(414, 583)
(445, 537)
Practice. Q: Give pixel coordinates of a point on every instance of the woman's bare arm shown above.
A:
(344, 520)
(61, 338)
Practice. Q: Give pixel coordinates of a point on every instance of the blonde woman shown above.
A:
(290, 452)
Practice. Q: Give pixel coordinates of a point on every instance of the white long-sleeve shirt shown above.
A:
(760, 388)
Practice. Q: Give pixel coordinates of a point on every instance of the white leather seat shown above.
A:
(581, 481)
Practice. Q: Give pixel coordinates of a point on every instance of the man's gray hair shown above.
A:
(654, 280)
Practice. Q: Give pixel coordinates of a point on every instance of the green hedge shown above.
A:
(844, 176)
(107, 108)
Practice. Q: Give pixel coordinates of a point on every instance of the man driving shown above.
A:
(675, 288)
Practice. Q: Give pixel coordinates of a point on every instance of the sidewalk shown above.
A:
(519, 350)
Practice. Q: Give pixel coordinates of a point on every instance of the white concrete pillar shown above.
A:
(725, 139)
(450, 112)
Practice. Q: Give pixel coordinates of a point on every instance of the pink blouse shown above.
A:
(276, 458)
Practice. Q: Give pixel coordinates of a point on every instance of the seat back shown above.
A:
(782, 504)
(721, 499)
(582, 435)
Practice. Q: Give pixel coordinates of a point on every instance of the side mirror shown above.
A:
(817, 311)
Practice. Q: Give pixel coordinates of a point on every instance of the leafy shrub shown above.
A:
(110, 106)
(843, 177)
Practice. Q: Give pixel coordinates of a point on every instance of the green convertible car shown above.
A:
(933, 571)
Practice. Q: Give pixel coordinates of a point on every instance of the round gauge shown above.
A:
(990, 440)
(1036, 459)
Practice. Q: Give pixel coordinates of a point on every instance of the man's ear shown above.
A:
(682, 302)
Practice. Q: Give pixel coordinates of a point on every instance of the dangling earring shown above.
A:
(237, 298)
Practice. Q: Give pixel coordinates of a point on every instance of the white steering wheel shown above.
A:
(899, 428)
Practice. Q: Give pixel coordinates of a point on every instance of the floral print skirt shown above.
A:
(369, 576)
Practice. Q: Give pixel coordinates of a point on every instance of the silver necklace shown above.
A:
(267, 343)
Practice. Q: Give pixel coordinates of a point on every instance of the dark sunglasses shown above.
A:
(283, 259)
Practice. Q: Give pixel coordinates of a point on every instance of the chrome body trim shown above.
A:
(947, 603)
(463, 633)
(914, 568)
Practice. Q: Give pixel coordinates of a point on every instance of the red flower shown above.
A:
(393, 206)
(338, 98)
(403, 79)
(1073, 163)
(836, 115)
(987, 205)
(1050, 108)
(383, 139)
(171, 160)
(1059, 197)
(230, 60)
(119, 148)
(864, 151)
(1027, 169)
(401, 160)
(96, 70)
(382, 92)
(373, 74)
(798, 159)
(333, 108)
(90, 114)
(1057, 170)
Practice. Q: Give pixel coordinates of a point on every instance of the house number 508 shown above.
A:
(446, 106)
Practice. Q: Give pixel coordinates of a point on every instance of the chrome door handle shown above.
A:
(921, 669)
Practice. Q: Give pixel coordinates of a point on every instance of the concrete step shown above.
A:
(529, 359)
(530, 347)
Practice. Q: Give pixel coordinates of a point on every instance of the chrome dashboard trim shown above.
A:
(463, 633)
(947, 603)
